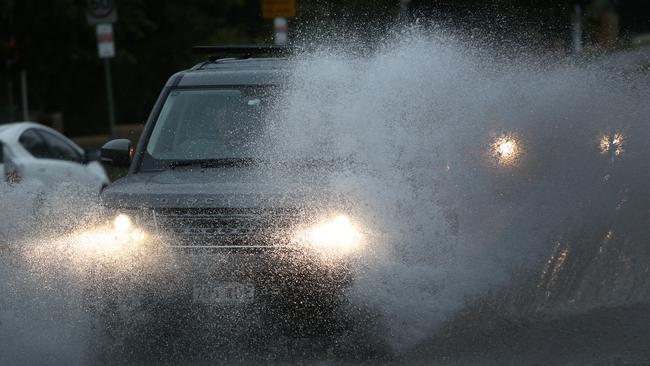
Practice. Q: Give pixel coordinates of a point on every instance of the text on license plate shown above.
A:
(224, 293)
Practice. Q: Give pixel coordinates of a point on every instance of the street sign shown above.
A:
(278, 8)
(102, 14)
(280, 31)
(105, 44)
(101, 11)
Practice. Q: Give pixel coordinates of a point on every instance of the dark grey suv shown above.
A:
(235, 233)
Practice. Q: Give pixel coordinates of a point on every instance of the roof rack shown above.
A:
(240, 51)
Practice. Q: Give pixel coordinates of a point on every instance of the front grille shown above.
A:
(225, 227)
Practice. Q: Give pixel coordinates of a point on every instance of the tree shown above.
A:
(153, 40)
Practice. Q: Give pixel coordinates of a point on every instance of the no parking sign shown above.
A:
(102, 14)
(105, 44)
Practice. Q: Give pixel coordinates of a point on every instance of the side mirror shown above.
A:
(91, 155)
(117, 153)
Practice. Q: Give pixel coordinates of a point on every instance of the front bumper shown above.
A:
(293, 294)
(185, 254)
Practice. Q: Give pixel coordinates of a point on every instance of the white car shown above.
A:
(41, 156)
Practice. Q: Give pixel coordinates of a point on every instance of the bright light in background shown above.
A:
(335, 236)
(506, 149)
(612, 144)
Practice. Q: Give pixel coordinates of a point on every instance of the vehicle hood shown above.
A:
(221, 187)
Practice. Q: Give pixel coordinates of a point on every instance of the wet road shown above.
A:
(606, 336)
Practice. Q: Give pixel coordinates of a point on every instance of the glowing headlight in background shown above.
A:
(505, 149)
(612, 144)
(338, 235)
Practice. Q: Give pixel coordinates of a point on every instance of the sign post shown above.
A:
(102, 14)
(280, 31)
(279, 11)
(404, 9)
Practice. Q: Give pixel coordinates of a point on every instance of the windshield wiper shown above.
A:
(213, 163)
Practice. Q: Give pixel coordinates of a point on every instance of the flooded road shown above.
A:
(506, 203)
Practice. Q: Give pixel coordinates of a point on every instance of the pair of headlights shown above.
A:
(506, 149)
(337, 235)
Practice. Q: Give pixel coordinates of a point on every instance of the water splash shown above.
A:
(447, 136)
(42, 320)
(420, 115)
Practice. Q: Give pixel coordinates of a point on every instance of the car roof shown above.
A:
(234, 72)
(12, 131)
(19, 126)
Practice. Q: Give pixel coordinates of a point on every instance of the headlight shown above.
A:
(612, 144)
(122, 223)
(119, 239)
(117, 245)
(335, 236)
(506, 150)
(105, 242)
(122, 238)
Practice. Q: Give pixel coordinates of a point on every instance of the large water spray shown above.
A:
(469, 168)
(462, 169)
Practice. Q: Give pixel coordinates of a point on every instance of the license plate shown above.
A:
(224, 293)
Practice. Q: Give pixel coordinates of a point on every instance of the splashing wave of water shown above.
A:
(449, 221)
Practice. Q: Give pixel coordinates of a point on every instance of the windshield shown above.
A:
(208, 124)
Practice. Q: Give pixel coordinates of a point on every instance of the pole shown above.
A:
(280, 31)
(10, 97)
(109, 97)
(23, 94)
(404, 10)
(576, 29)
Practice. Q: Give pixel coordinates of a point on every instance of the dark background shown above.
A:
(52, 42)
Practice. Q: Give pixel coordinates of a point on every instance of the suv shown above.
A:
(233, 233)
